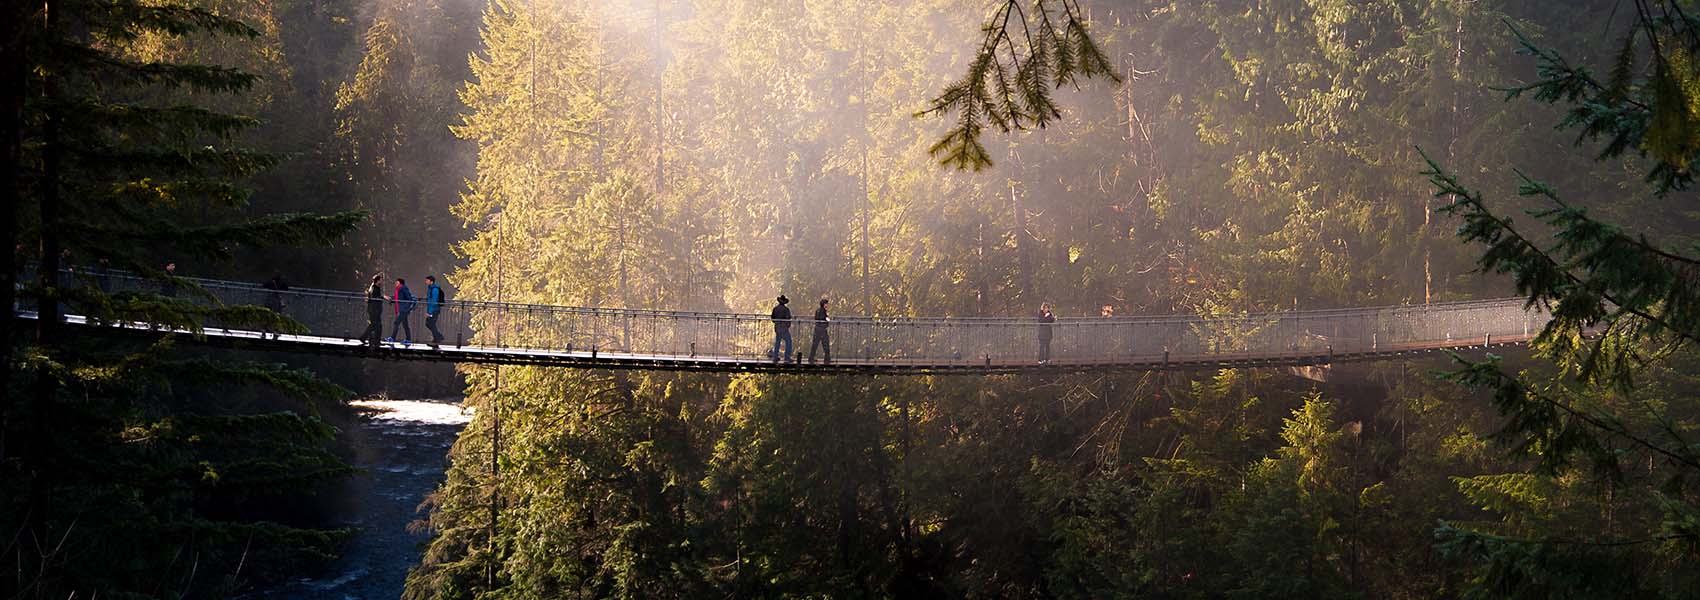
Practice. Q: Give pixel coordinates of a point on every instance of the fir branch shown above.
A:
(1538, 275)
(219, 241)
(300, 383)
(1542, 428)
(123, 20)
(176, 123)
(174, 193)
(202, 160)
(115, 70)
(1023, 100)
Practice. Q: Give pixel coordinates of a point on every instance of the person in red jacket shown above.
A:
(403, 301)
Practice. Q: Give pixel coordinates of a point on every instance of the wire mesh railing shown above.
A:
(942, 341)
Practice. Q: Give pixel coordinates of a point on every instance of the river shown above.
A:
(401, 450)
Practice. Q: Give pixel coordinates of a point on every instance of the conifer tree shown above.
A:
(1626, 309)
(123, 475)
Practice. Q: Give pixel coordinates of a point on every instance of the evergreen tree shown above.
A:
(124, 477)
(1623, 311)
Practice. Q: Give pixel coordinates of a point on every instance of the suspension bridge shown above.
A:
(583, 337)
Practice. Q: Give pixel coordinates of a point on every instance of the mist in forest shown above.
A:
(713, 154)
(1213, 159)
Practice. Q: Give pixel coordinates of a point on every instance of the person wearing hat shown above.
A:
(374, 311)
(782, 328)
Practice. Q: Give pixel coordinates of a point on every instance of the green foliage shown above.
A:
(1256, 156)
(1623, 313)
(132, 469)
(1009, 84)
(1513, 568)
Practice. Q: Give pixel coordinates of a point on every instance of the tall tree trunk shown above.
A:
(660, 144)
(42, 411)
(1453, 128)
(1023, 242)
(13, 26)
(867, 246)
(982, 276)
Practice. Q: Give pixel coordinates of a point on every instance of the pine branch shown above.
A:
(177, 161)
(1536, 419)
(1044, 62)
(219, 241)
(175, 123)
(1540, 276)
(115, 70)
(123, 20)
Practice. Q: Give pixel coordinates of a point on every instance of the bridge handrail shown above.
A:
(339, 316)
(304, 292)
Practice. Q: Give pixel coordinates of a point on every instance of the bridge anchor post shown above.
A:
(1487, 340)
(693, 349)
(460, 339)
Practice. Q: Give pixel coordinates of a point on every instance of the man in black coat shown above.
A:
(1045, 321)
(374, 312)
(823, 339)
(782, 328)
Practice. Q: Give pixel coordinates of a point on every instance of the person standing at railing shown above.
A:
(404, 303)
(374, 311)
(103, 275)
(1045, 321)
(274, 297)
(169, 288)
(433, 307)
(275, 287)
(782, 328)
(823, 339)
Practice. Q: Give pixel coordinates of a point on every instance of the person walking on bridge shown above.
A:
(823, 338)
(374, 312)
(782, 329)
(1045, 321)
(274, 295)
(404, 303)
(169, 287)
(274, 298)
(433, 307)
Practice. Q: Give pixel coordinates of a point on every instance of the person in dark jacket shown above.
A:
(1045, 321)
(169, 288)
(374, 311)
(823, 338)
(103, 275)
(433, 307)
(404, 303)
(782, 328)
(275, 287)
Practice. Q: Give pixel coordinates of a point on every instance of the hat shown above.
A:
(783, 299)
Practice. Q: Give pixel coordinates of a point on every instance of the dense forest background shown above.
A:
(711, 154)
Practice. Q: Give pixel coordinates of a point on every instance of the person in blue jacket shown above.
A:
(404, 303)
(433, 307)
